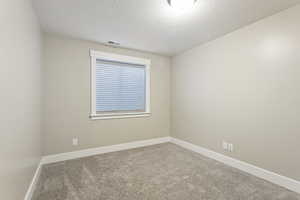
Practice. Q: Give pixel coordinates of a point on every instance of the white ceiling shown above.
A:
(151, 25)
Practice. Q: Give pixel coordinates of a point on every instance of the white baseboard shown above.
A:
(283, 181)
(33, 183)
(101, 150)
(88, 152)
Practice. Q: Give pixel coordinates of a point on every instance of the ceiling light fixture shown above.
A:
(182, 4)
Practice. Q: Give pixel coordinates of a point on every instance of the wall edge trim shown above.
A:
(33, 183)
(101, 150)
(272, 177)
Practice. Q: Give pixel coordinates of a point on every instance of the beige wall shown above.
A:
(67, 99)
(244, 88)
(20, 149)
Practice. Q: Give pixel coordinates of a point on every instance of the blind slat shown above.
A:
(120, 87)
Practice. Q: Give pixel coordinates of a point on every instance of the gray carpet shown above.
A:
(159, 172)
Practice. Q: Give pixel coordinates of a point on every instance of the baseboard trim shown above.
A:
(100, 150)
(280, 180)
(272, 177)
(88, 152)
(33, 183)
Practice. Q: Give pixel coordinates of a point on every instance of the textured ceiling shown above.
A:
(151, 25)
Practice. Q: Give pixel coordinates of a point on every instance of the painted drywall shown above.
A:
(244, 88)
(20, 71)
(67, 99)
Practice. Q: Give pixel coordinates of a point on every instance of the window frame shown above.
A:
(94, 56)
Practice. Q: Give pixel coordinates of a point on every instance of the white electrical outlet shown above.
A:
(225, 145)
(75, 141)
(230, 147)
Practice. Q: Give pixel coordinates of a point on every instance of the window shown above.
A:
(120, 86)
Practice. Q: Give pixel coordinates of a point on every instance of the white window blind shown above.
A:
(120, 87)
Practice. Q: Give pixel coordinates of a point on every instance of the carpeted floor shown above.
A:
(159, 172)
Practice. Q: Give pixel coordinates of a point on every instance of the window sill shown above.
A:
(119, 116)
